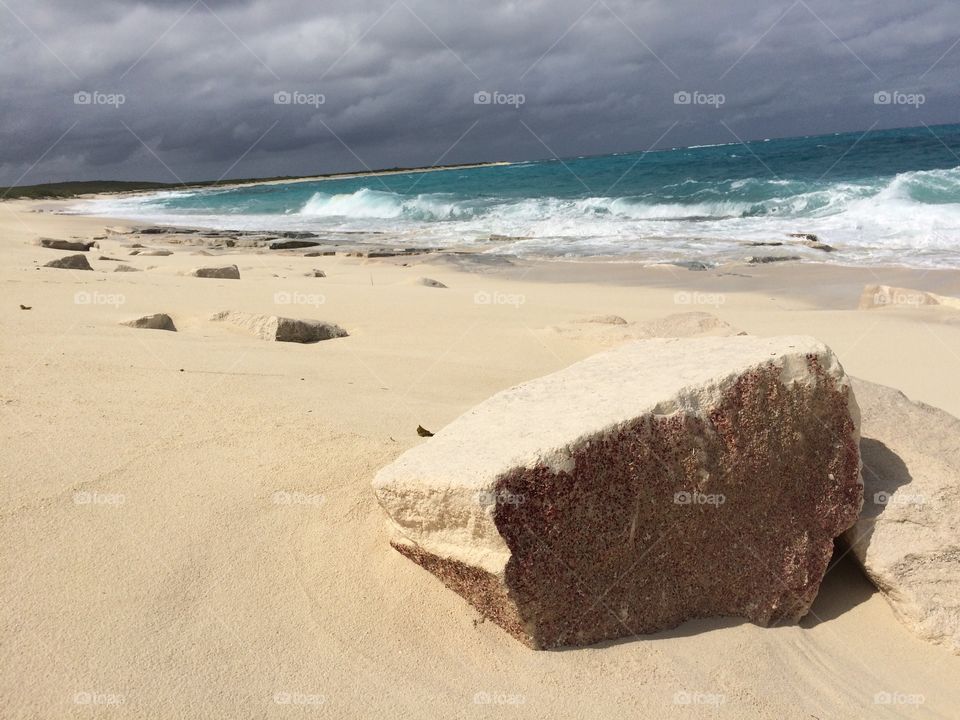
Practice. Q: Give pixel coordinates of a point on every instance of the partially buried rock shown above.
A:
(662, 481)
(157, 253)
(157, 321)
(908, 537)
(281, 329)
(881, 296)
(64, 244)
(227, 272)
(126, 268)
(429, 282)
(316, 273)
(70, 262)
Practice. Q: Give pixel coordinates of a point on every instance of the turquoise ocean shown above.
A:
(885, 197)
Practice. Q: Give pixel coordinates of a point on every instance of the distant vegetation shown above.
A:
(73, 189)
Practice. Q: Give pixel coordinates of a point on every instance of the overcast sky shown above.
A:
(176, 90)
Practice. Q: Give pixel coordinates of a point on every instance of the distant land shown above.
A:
(92, 187)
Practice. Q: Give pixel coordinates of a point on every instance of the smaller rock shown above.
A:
(70, 262)
(157, 253)
(604, 320)
(292, 244)
(809, 237)
(55, 244)
(430, 282)
(227, 272)
(316, 273)
(104, 257)
(26, 307)
(766, 259)
(126, 268)
(320, 253)
(157, 321)
(281, 329)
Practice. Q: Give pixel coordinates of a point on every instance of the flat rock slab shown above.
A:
(70, 262)
(157, 321)
(227, 272)
(666, 480)
(55, 244)
(908, 537)
(281, 329)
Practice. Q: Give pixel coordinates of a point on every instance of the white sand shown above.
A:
(188, 589)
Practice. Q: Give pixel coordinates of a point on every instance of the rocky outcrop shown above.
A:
(157, 321)
(55, 244)
(882, 296)
(70, 262)
(227, 272)
(281, 329)
(908, 537)
(662, 481)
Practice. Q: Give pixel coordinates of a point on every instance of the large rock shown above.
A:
(908, 537)
(55, 244)
(70, 262)
(157, 321)
(281, 329)
(881, 296)
(227, 272)
(666, 480)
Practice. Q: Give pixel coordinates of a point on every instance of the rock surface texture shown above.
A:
(281, 329)
(908, 537)
(665, 480)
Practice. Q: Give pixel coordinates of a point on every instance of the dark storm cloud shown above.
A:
(187, 90)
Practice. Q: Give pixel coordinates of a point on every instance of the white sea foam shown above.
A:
(912, 218)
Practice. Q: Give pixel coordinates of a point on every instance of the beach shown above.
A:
(189, 527)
